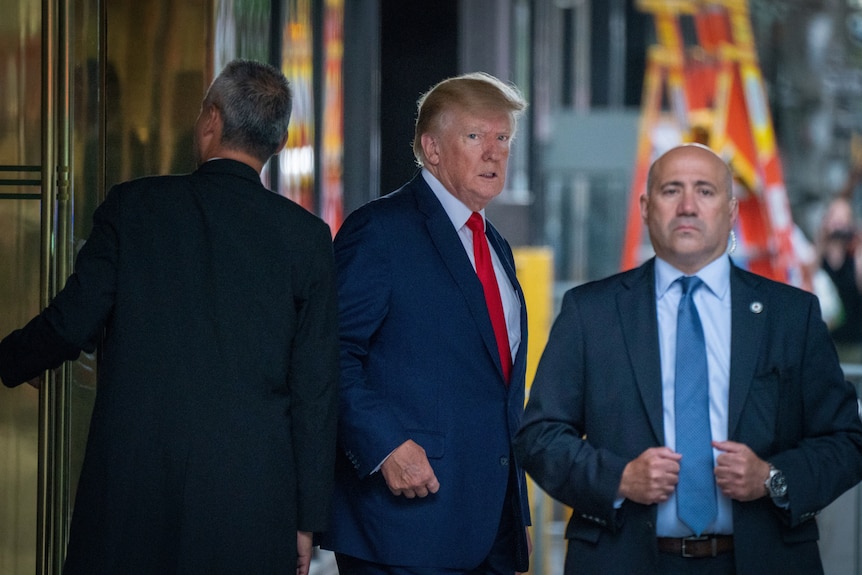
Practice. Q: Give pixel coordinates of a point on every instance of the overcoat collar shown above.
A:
(231, 167)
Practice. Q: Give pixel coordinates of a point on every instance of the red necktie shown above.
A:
(485, 271)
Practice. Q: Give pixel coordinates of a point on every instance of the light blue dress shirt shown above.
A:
(713, 306)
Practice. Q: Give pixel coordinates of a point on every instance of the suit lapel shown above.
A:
(748, 312)
(448, 244)
(637, 313)
(641, 340)
(496, 242)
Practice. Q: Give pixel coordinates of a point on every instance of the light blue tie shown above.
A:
(696, 500)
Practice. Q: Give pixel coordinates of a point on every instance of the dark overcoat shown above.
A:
(212, 435)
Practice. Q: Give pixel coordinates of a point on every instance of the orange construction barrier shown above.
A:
(712, 92)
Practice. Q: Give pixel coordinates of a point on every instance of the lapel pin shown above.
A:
(756, 307)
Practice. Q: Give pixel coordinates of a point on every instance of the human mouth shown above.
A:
(686, 227)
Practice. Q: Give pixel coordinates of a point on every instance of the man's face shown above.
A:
(839, 218)
(688, 209)
(468, 153)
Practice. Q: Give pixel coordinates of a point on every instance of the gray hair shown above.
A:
(255, 101)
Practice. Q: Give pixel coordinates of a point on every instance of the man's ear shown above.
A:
(212, 119)
(208, 131)
(734, 210)
(430, 149)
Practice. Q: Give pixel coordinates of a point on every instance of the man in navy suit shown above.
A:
(212, 439)
(783, 434)
(431, 396)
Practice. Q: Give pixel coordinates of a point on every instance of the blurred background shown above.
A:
(93, 92)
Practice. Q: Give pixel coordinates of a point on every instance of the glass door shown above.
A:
(20, 269)
(80, 110)
(34, 222)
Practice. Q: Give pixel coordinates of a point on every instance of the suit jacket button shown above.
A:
(504, 461)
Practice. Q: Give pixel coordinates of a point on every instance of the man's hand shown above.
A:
(407, 471)
(739, 473)
(303, 552)
(42, 379)
(651, 477)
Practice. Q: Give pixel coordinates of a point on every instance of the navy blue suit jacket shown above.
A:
(596, 404)
(419, 361)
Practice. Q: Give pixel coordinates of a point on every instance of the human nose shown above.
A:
(687, 203)
(495, 150)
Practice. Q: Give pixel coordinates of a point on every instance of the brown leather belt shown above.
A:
(703, 546)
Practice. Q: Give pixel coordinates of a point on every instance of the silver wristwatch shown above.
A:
(776, 484)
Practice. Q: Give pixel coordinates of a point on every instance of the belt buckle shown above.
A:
(693, 539)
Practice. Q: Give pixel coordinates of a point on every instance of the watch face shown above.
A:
(777, 485)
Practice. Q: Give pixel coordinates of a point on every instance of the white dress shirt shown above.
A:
(459, 214)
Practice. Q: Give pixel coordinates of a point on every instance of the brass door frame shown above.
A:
(53, 497)
(52, 476)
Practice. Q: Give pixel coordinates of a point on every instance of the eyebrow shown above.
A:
(696, 183)
(475, 129)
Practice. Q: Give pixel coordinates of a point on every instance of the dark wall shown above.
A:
(419, 47)
(361, 103)
(638, 25)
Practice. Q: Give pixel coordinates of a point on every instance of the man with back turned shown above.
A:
(211, 444)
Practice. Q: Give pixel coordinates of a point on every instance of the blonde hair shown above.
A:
(474, 92)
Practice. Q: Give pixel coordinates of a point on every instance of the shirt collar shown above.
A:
(716, 276)
(456, 210)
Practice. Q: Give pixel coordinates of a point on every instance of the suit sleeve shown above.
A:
(819, 438)
(313, 385)
(73, 320)
(551, 445)
(368, 428)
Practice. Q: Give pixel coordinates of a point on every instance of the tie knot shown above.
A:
(476, 223)
(689, 284)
